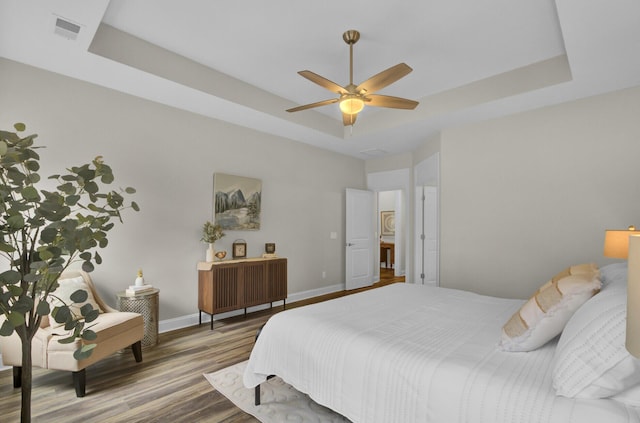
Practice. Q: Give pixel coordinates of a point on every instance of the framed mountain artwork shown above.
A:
(236, 202)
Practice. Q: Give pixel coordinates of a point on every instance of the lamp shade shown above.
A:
(633, 297)
(351, 104)
(616, 242)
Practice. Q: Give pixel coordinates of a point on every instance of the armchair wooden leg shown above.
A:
(17, 377)
(80, 382)
(137, 351)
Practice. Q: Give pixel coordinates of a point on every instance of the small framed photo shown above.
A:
(270, 248)
(239, 249)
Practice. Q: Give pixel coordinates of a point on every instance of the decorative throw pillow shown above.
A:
(65, 289)
(545, 314)
(591, 360)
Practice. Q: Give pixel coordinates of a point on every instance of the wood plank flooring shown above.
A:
(167, 386)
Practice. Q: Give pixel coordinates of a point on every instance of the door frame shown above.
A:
(397, 180)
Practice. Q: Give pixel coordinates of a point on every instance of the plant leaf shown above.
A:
(89, 335)
(83, 352)
(67, 340)
(7, 328)
(79, 296)
(15, 319)
(61, 314)
(87, 266)
(43, 308)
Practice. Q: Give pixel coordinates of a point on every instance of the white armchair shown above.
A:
(115, 331)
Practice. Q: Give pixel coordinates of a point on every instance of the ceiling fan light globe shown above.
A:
(351, 105)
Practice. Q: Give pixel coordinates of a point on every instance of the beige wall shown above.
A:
(527, 195)
(170, 156)
(522, 197)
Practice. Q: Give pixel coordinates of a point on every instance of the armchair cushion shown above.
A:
(115, 332)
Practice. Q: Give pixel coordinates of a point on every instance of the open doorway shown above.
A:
(391, 234)
(399, 181)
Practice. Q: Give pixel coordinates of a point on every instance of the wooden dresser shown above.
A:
(235, 284)
(390, 248)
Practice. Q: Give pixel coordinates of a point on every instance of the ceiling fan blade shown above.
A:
(312, 105)
(377, 100)
(323, 82)
(348, 119)
(384, 78)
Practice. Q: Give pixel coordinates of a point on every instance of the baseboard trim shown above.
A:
(182, 322)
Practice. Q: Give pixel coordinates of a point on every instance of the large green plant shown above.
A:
(43, 232)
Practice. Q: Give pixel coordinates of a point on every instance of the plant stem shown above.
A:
(25, 380)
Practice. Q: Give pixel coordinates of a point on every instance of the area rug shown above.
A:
(280, 402)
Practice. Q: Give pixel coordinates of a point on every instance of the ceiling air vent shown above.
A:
(374, 152)
(66, 29)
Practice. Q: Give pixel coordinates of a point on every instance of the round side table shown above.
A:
(146, 304)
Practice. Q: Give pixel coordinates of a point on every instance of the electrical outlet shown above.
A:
(324, 275)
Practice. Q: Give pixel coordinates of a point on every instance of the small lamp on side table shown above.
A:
(625, 244)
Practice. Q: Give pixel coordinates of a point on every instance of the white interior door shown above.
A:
(427, 235)
(431, 236)
(360, 237)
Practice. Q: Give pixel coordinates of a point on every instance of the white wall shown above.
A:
(525, 196)
(170, 156)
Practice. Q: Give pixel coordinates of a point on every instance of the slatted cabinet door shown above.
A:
(255, 288)
(227, 289)
(277, 280)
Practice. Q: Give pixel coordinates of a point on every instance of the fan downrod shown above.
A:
(351, 36)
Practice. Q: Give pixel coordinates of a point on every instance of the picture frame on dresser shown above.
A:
(239, 249)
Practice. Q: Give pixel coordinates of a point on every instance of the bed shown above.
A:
(413, 353)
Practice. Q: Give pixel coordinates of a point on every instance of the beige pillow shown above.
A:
(545, 314)
(65, 289)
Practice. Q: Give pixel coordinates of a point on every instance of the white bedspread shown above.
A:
(409, 353)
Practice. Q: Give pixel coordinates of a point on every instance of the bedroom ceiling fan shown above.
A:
(353, 98)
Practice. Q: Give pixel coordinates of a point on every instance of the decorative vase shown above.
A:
(139, 279)
(210, 252)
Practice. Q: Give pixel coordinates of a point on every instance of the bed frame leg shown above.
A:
(257, 395)
(257, 388)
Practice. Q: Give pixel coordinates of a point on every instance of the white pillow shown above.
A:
(616, 272)
(630, 396)
(64, 291)
(545, 314)
(591, 360)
